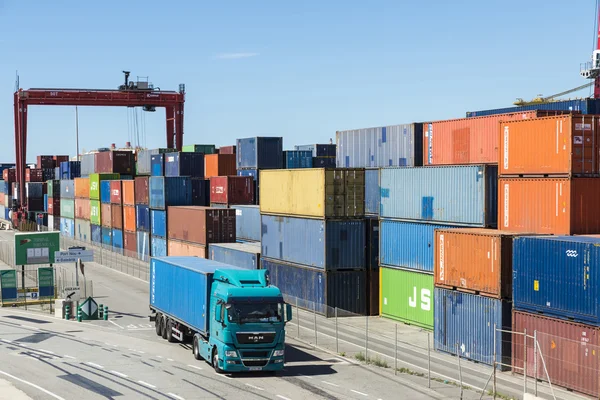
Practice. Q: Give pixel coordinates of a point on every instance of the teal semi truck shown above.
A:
(234, 318)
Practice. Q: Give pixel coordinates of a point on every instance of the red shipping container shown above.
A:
(570, 351)
(116, 218)
(82, 208)
(59, 159)
(469, 140)
(130, 243)
(115, 192)
(54, 206)
(219, 165)
(232, 189)
(227, 150)
(9, 175)
(129, 218)
(555, 206)
(141, 190)
(119, 162)
(1, 200)
(182, 249)
(45, 162)
(128, 192)
(201, 225)
(106, 215)
(34, 175)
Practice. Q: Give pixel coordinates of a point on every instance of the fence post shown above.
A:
(367, 337)
(315, 314)
(535, 367)
(298, 316)
(396, 350)
(428, 358)
(459, 372)
(525, 361)
(494, 371)
(337, 344)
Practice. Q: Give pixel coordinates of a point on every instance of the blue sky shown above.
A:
(301, 70)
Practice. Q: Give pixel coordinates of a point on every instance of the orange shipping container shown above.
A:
(556, 206)
(561, 145)
(82, 188)
(106, 214)
(117, 216)
(82, 208)
(468, 140)
(128, 192)
(475, 260)
(219, 165)
(129, 218)
(180, 248)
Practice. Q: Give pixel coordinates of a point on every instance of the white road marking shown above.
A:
(357, 392)
(71, 357)
(329, 383)
(118, 374)
(282, 397)
(46, 351)
(254, 387)
(170, 359)
(159, 356)
(114, 323)
(147, 384)
(91, 364)
(30, 327)
(222, 376)
(173, 395)
(49, 393)
(306, 376)
(6, 340)
(193, 366)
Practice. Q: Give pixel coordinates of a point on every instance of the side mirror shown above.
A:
(219, 313)
(288, 312)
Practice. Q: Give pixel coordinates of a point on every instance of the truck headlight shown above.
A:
(231, 353)
(278, 353)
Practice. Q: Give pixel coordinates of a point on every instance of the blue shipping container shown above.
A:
(117, 241)
(158, 247)
(170, 191)
(323, 244)
(407, 244)
(184, 164)
(70, 170)
(106, 237)
(297, 159)
(318, 150)
(67, 189)
(260, 153)
(585, 106)
(105, 192)
(67, 227)
(158, 223)
(142, 217)
(3, 187)
(143, 245)
(372, 240)
(34, 190)
(465, 195)
(96, 234)
(157, 165)
(465, 322)
(372, 191)
(243, 255)
(324, 162)
(45, 203)
(200, 192)
(558, 276)
(319, 290)
(253, 173)
(247, 222)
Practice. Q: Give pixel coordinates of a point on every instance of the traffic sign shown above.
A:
(73, 255)
(72, 292)
(89, 309)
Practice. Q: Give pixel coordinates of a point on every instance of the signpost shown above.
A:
(46, 282)
(71, 256)
(36, 247)
(8, 284)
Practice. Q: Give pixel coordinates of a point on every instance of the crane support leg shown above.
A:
(170, 114)
(179, 127)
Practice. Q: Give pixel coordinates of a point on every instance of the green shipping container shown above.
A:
(67, 208)
(95, 183)
(199, 148)
(95, 212)
(50, 188)
(406, 296)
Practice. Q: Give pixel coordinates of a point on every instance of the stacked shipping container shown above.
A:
(256, 154)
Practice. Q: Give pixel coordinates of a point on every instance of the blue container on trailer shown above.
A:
(585, 106)
(253, 173)
(247, 222)
(142, 217)
(157, 165)
(462, 195)
(45, 203)
(143, 245)
(184, 164)
(105, 192)
(323, 244)
(323, 162)
(468, 321)
(243, 255)
(158, 247)
(297, 159)
(170, 191)
(70, 170)
(96, 231)
(319, 290)
(558, 276)
(407, 244)
(67, 189)
(106, 237)
(158, 223)
(372, 192)
(67, 227)
(117, 241)
(200, 192)
(260, 153)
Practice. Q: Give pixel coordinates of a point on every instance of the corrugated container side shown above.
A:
(243, 255)
(82, 208)
(333, 244)
(373, 289)
(181, 248)
(577, 366)
(87, 164)
(70, 170)
(96, 234)
(184, 164)
(298, 159)
(407, 296)
(130, 244)
(142, 190)
(106, 214)
(199, 148)
(219, 165)
(201, 225)
(260, 153)
(465, 322)
(115, 161)
(372, 192)
(157, 165)
(34, 190)
(247, 222)
(232, 189)
(128, 192)
(318, 290)
(158, 247)
(67, 227)
(170, 191)
(142, 218)
(53, 206)
(67, 189)
(105, 191)
(83, 230)
(53, 188)
(95, 189)
(144, 245)
(106, 237)
(143, 162)
(129, 218)
(158, 223)
(117, 240)
(465, 195)
(67, 208)
(323, 162)
(227, 150)
(95, 211)
(558, 276)
(255, 175)
(585, 106)
(476, 260)
(116, 189)
(116, 218)
(82, 187)
(200, 192)
(372, 243)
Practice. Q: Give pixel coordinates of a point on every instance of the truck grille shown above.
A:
(255, 337)
(255, 363)
(255, 354)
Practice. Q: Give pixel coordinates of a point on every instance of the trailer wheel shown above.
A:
(163, 324)
(157, 324)
(215, 361)
(170, 337)
(196, 349)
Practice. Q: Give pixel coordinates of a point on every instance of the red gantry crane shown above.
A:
(131, 94)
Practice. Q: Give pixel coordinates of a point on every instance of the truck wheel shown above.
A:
(215, 361)
(196, 349)
(170, 338)
(163, 324)
(157, 324)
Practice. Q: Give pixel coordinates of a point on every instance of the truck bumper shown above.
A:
(228, 366)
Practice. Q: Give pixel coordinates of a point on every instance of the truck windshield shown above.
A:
(255, 312)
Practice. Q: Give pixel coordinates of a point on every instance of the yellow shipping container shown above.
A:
(313, 192)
